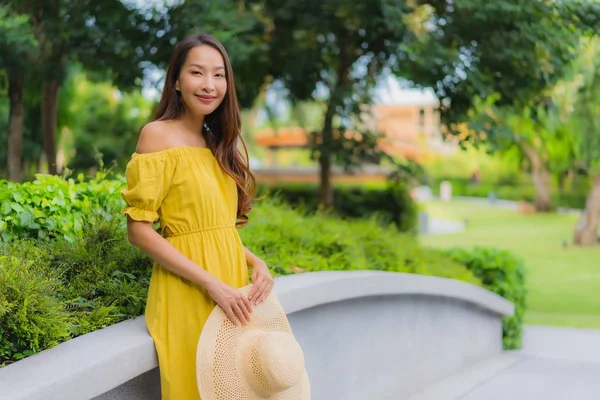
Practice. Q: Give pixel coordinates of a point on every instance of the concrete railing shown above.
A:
(365, 335)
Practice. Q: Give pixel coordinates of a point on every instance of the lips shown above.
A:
(206, 99)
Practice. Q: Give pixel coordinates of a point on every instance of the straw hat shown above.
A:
(261, 360)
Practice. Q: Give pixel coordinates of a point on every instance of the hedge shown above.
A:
(389, 204)
(575, 197)
(503, 273)
(82, 274)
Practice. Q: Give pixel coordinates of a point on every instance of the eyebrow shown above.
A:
(203, 67)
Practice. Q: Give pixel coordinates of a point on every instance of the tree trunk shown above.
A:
(586, 232)
(326, 189)
(543, 197)
(14, 155)
(335, 98)
(49, 120)
(541, 180)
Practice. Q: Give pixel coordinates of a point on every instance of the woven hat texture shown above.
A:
(261, 360)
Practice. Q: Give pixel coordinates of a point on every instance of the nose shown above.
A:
(208, 85)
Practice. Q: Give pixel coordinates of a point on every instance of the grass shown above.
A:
(563, 282)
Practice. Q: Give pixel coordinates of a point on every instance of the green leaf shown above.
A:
(17, 207)
(26, 218)
(18, 197)
(6, 208)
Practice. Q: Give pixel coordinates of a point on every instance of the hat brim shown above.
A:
(216, 371)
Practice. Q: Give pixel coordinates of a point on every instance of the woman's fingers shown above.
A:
(260, 287)
(247, 303)
(240, 313)
(266, 291)
(246, 308)
(254, 288)
(231, 315)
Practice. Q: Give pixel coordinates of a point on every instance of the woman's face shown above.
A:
(202, 82)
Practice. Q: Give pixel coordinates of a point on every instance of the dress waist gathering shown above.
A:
(168, 233)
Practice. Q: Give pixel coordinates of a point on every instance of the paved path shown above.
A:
(557, 364)
(554, 364)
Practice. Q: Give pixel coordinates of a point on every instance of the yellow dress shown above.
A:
(196, 203)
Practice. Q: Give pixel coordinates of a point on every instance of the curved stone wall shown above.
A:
(365, 335)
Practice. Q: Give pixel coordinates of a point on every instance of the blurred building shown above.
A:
(411, 131)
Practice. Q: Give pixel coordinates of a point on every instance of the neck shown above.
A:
(192, 122)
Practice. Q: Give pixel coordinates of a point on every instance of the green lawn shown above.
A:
(563, 283)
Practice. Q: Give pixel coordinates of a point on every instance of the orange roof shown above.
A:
(297, 138)
(282, 137)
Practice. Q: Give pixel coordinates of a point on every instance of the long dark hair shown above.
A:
(222, 128)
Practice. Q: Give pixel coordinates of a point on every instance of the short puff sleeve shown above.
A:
(148, 181)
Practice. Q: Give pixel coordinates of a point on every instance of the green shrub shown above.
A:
(89, 276)
(105, 277)
(572, 197)
(51, 291)
(503, 273)
(52, 207)
(32, 316)
(292, 241)
(391, 203)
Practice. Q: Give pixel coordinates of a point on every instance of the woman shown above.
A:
(187, 171)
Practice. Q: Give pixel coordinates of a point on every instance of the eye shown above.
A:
(196, 73)
(221, 75)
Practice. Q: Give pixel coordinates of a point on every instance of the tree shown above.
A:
(334, 51)
(460, 48)
(99, 121)
(239, 25)
(17, 47)
(515, 48)
(106, 37)
(540, 133)
(585, 122)
(513, 51)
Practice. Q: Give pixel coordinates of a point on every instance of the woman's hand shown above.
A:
(262, 283)
(236, 306)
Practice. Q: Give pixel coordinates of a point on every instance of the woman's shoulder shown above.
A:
(154, 138)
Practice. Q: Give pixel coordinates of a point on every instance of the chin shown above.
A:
(202, 110)
(206, 109)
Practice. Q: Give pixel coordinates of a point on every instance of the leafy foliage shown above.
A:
(240, 26)
(573, 195)
(584, 104)
(17, 42)
(90, 277)
(335, 51)
(32, 317)
(515, 48)
(53, 207)
(504, 274)
(391, 204)
(100, 122)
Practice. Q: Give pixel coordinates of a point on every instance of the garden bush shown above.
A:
(391, 203)
(503, 273)
(51, 206)
(82, 274)
(32, 316)
(291, 240)
(572, 197)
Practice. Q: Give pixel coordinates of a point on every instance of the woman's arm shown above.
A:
(262, 280)
(143, 235)
(251, 258)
